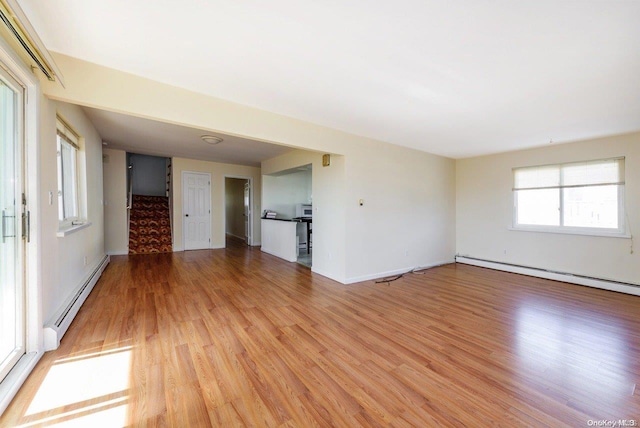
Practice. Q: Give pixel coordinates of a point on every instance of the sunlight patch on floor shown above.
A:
(111, 413)
(87, 390)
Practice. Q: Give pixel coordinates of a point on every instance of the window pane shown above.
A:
(60, 197)
(11, 304)
(539, 207)
(67, 181)
(595, 206)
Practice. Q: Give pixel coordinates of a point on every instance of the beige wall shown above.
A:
(327, 184)
(405, 222)
(96, 86)
(415, 227)
(407, 217)
(234, 206)
(115, 201)
(63, 267)
(218, 173)
(484, 213)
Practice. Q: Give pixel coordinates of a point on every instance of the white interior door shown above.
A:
(12, 304)
(196, 210)
(247, 212)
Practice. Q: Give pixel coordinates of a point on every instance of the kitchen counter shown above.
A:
(294, 219)
(279, 238)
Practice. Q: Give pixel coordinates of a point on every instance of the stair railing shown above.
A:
(170, 195)
(129, 199)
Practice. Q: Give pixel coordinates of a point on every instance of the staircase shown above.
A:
(149, 225)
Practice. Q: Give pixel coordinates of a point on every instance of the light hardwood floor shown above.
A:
(236, 337)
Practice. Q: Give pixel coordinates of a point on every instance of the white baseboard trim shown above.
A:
(394, 272)
(327, 275)
(61, 320)
(11, 384)
(604, 284)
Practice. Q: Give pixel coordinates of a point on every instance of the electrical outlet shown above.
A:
(406, 253)
(84, 260)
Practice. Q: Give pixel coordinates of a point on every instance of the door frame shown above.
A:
(32, 273)
(251, 206)
(183, 182)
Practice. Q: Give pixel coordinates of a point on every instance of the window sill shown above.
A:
(72, 229)
(572, 232)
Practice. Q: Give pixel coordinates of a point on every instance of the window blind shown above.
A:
(575, 174)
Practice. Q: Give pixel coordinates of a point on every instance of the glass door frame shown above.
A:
(7, 364)
(15, 66)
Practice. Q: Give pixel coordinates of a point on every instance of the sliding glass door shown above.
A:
(12, 303)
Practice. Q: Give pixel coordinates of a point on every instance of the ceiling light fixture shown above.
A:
(211, 139)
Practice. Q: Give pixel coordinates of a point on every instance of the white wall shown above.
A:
(218, 173)
(149, 175)
(484, 213)
(115, 201)
(281, 193)
(234, 206)
(63, 267)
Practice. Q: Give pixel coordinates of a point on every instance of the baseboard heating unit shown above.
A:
(605, 284)
(60, 322)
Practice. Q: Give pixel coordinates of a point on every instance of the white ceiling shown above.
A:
(457, 78)
(151, 137)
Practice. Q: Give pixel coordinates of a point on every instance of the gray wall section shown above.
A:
(149, 175)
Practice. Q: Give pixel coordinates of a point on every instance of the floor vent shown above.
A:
(61, 321)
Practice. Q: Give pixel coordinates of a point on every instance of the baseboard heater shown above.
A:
(54, 330)
(589, 281)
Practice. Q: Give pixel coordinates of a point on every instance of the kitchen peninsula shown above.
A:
(279, 237)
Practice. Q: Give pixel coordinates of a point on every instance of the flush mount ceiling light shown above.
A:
(211, 139)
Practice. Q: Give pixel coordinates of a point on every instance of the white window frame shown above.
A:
(619, 232)
(66, 136)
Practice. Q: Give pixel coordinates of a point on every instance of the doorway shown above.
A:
(288, 193)
(238, 215)
(12, 247)
(149, 204)
(196, 210)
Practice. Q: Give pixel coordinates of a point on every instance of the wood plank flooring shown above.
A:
(236, 337)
